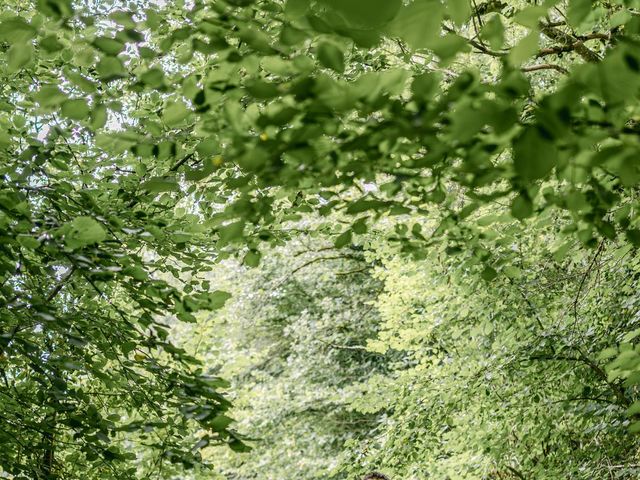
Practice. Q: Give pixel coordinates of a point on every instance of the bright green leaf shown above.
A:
(418, 23)
(493, 32)
(524, 49)
(76, 109)
(84, 231)
(161, 184)
(578, 11)
(175, 113)
(217, 299)
(19, 56)
(49, 95)
(459, 11)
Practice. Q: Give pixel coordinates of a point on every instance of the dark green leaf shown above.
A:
(365, 14)
(534, 155)
(522, 207)
(161, 184)
(331, 56)
(110, 46)
(489, 274)
(343, 239)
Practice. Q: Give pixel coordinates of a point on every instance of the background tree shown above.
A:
(292, 343)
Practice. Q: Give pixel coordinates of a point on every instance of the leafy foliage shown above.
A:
(139, 143)
(292, 343)
(507, 379)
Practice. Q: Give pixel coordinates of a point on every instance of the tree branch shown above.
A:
(570, 43)
(545, 66)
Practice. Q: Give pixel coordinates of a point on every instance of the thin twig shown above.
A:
(545, 66)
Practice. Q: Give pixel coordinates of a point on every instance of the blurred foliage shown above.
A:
(292, 343)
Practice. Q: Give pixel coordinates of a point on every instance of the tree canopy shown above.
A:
(472, 165)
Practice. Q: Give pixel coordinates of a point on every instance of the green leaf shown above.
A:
(51, 44)
(512, 272)
(372, 85)
(418, 23)
(27, 241)
(136, 272)
(254, 159)
(459, 11)
(49, 95)
(561, 252)
(343, 239)
(161, 184)
(56, 9)
(364, 14)
(488, 274)
(19, 56)
(493, 32)
(216, 300)
(534, 155)
(238, 446)
(80, 81)
(522, 207)
(208, 147)
(232, 231)
(19, 121)
(99, 116)
(296, 8)
(16, 30)
(123, 18)
(578, 11)
(364, 204)
(619, 18)
(83, 231)
(634, 427)
(208, 164)
(290, 35)
(331, 56)
(76, 109)
(252, 258)
(256, 39)
(219, 423)
(530, 16)
(608, 353)
(154, 78)
(260, 89)
(360, 227)
(175, 113)
(634, 409)
(426, 85)
(633, 235)
(110, 46)
(524, 49)
(448, 46)
(110, 68)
